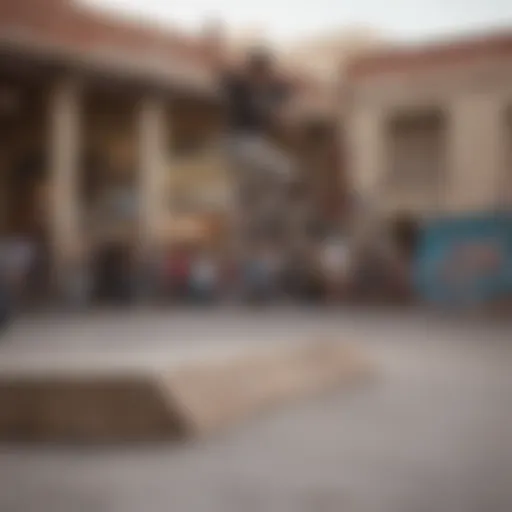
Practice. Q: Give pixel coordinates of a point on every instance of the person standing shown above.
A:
(180, 267)
(204, 277)
(334, 263)
(17, 256)
(78, 278)
(6, 295)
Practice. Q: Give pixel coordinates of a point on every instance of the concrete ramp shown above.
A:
(169, 397)
(82, 408)
(228, 391)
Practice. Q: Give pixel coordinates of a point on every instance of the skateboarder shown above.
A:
(256, 98)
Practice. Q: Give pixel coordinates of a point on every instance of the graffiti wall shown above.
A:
(465, 261)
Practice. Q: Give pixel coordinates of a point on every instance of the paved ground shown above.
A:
(433, 433)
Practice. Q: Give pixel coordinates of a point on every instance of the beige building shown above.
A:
(107, 130)
(429, 128)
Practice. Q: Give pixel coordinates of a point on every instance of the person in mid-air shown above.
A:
(256, 99)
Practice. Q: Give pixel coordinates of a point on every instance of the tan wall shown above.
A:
(476, 150)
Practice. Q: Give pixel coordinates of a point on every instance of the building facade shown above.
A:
(429, 128)
(99, 120)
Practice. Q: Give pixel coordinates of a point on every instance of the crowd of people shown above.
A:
(181, 275)
(265, 275)
(20, 269)
(323, 273)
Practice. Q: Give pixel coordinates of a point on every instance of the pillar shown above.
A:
(476, 153)
(152, 131)
(153, 190)
(64, 161)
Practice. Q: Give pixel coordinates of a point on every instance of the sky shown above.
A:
(290, 20)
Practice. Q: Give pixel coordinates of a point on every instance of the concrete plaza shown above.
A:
(432, 432)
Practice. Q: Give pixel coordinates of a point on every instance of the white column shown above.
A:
(64, 132)
(153, 190)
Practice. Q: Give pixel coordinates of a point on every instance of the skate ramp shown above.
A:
(228, 391)
(172, 396)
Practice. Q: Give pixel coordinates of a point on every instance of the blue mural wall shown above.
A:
(465, 260)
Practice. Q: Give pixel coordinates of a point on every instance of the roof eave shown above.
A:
(157, 72)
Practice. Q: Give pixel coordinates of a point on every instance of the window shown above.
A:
(417, 153)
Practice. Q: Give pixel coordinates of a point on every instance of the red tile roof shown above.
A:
(58, 22)
(431, 56)
(114, 42)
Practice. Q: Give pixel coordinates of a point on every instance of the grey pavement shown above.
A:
(432, 433)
